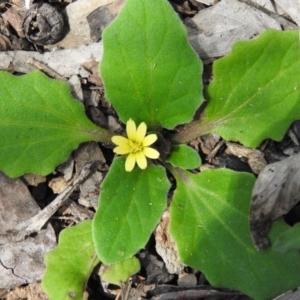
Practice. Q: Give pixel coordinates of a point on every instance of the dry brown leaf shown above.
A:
(102, 17)
(78, 13)
(292, 8)
(255, 157)
(89, 190)
(66, 168)
(58, 184)
(214, 30)
(93, 67)
(5, 43)
(20, 262)
(56, 60)
(276, 191)
(166, 247)
(15, 19)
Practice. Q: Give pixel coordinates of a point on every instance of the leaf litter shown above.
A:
(209, 49)
(21, 261)
(276, 192)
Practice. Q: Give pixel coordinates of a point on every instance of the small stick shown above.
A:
(42, 67)
(34, 224)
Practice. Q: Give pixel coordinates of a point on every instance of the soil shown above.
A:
(153, 281)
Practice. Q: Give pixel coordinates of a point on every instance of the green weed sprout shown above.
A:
(152, 76)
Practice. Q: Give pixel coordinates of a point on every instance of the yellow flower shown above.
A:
(136, 145)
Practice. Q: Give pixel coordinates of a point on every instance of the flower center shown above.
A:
(135, 147)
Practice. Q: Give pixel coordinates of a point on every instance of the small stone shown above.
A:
(186, 279)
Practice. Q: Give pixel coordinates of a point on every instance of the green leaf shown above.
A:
(184, 157)
(121, 271)
(255, 93)
(68, 267)
(40, 124)
(150, 72)
(213, 208)
(130, 206)
(288, 240)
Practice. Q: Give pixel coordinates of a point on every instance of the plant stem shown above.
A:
(101, 135)
(191, 131)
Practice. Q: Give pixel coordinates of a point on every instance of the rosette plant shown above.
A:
(152, 77)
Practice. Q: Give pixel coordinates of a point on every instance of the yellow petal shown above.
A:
(151, 153)
(121, 150)
(141, 132)
(120, 140)
(141, 160)
(131, 130)
(130, 162)
(149, 140)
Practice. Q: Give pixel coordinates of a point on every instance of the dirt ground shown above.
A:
(75, 32)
